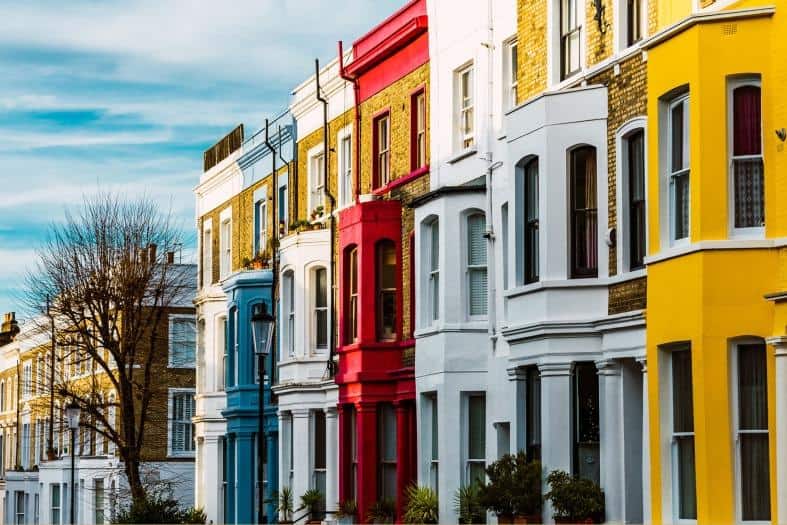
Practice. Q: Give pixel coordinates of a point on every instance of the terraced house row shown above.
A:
(555, 226)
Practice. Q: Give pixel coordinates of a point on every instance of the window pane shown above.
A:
(320, 277)
(636, 182)
(749, 193)
(682, 396)
(584, 212)
(476, 422)
(531, 222)
(677, 137)
(435, 247)
(681, 196)
(755, 477)
(319, 439)
(476, 253)
(386, 282)
(747, 139)
(533, 414)
(687, 484)
(586, 421)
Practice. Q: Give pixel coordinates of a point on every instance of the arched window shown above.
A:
(584, 212)
(476, 264)
(747, 166)
(531, 232)
(634, 171)
(433, 256)
(320, 305)
(352, 296)
(386, 290)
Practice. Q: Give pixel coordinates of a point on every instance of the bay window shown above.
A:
(382, 150)
(386, 425)
(353, 432)
(751, 432)
(683, 460)
(318, 451)
(320, 314)
(476, 264)
(586, 422)
(635, 180)
(386, 290)
(679, 183)
(571, 14)
(531, 243)
(433, 298)
(533, 413)
(475, 452)
(352, 296)
(584, 213)
(746, 157)
(288, 305)
(345, 170)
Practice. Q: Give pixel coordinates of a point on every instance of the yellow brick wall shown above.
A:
(599, 45)
(532, 56)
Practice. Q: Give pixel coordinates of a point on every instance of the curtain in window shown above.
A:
(753, 432)
(747, 161)
(476, 264)
(584, 213)
(321, 308)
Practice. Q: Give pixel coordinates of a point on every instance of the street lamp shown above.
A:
(72, 416)
(262, 324)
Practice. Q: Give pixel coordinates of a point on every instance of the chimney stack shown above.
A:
(152, 253)
(9, 328)
(170, 257)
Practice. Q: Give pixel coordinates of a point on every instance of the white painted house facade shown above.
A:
(516, 348)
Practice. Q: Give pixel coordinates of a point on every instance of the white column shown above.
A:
(780, 350)
(556, 436)
(209, 478)
(301, 454)
(611, 437)
(331, 460)
(646, 518)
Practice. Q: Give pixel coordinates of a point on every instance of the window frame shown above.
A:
(316, 177)
(381, 153)
(733, 83)
(315, 309)
(470, 268)
(575, 271)
(172, 319)
(735, 412)
(510, 72)
(352, 332)
(385, 433)
(261, 224)
(673, 175)
(418, 129)
(465, 107)
(317, 471)
(288, 307)
(623, 190)
(345, 166)
(190, 446)
(531, 224)
(225, 243)
(433, 275)
(468, 461)
(382, 292)
(566, 33)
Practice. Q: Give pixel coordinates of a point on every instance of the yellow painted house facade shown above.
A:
(717, 262)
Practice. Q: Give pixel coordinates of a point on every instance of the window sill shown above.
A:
(628, 275)
(401, 181)
(563, 283)
(726, 244)
(469, 152)
(181, 455)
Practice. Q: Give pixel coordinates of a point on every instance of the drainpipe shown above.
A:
(289, 180)
(357, 130)
(274, 236)
(17, 453)
(490, 167)
(326, 150)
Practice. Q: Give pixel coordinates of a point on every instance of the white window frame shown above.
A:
(622, 190)
(671, 176)
(171, 320)
(221, 348)
(383, 150)
(27, 379)
(670, 499)
(735, 420)
(207, 253)
(465, 438)
(733, 83)
(52, 507)
(312, 272)
(420, 135)
(225, 243)
(621, 24)
(468, 268)
(261, 210)
(510, 73)
(432, 270)
(464, 108)
(345, 161)
(316, 179)
(171, 393)
(288, 314)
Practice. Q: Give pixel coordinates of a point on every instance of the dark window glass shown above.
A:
(636, 186)
(533, 413)
(586, 422)
(753, 433)
(531, 221)
(683, 433)
(386, 290)
(584, 219)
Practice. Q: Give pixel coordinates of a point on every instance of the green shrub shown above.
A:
(284, 504)
(383, 511)
(468, 505)
(514, 487)
(313, 501)
(422, 505)
(347, 509)
(156, 509)
(575, 499)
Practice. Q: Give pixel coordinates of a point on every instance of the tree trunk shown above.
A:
(131, 465)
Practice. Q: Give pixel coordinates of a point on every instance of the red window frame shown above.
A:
(377, 181)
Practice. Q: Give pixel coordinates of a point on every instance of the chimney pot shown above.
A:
(170, 257)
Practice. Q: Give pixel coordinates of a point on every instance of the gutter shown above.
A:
(326, 150)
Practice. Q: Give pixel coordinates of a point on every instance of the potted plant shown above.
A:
(514, 489)
(284, 505)
(422, 505)
(383, 511)
(574, 500)
(260, 261)
(317, 213)
(347, 512)
(468, 505)
(312, 500)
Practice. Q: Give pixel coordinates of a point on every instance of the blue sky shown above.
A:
(127, 95)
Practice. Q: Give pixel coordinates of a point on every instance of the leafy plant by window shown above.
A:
(514, 487)
(383, 511)
(155, 509)
(347, 509)
(284, 504)
(468, 504)
(313, 501)
(422, 505)
(574, 499)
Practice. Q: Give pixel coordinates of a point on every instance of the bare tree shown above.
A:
(110, 285)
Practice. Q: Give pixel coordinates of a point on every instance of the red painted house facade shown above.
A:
(377, 421)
